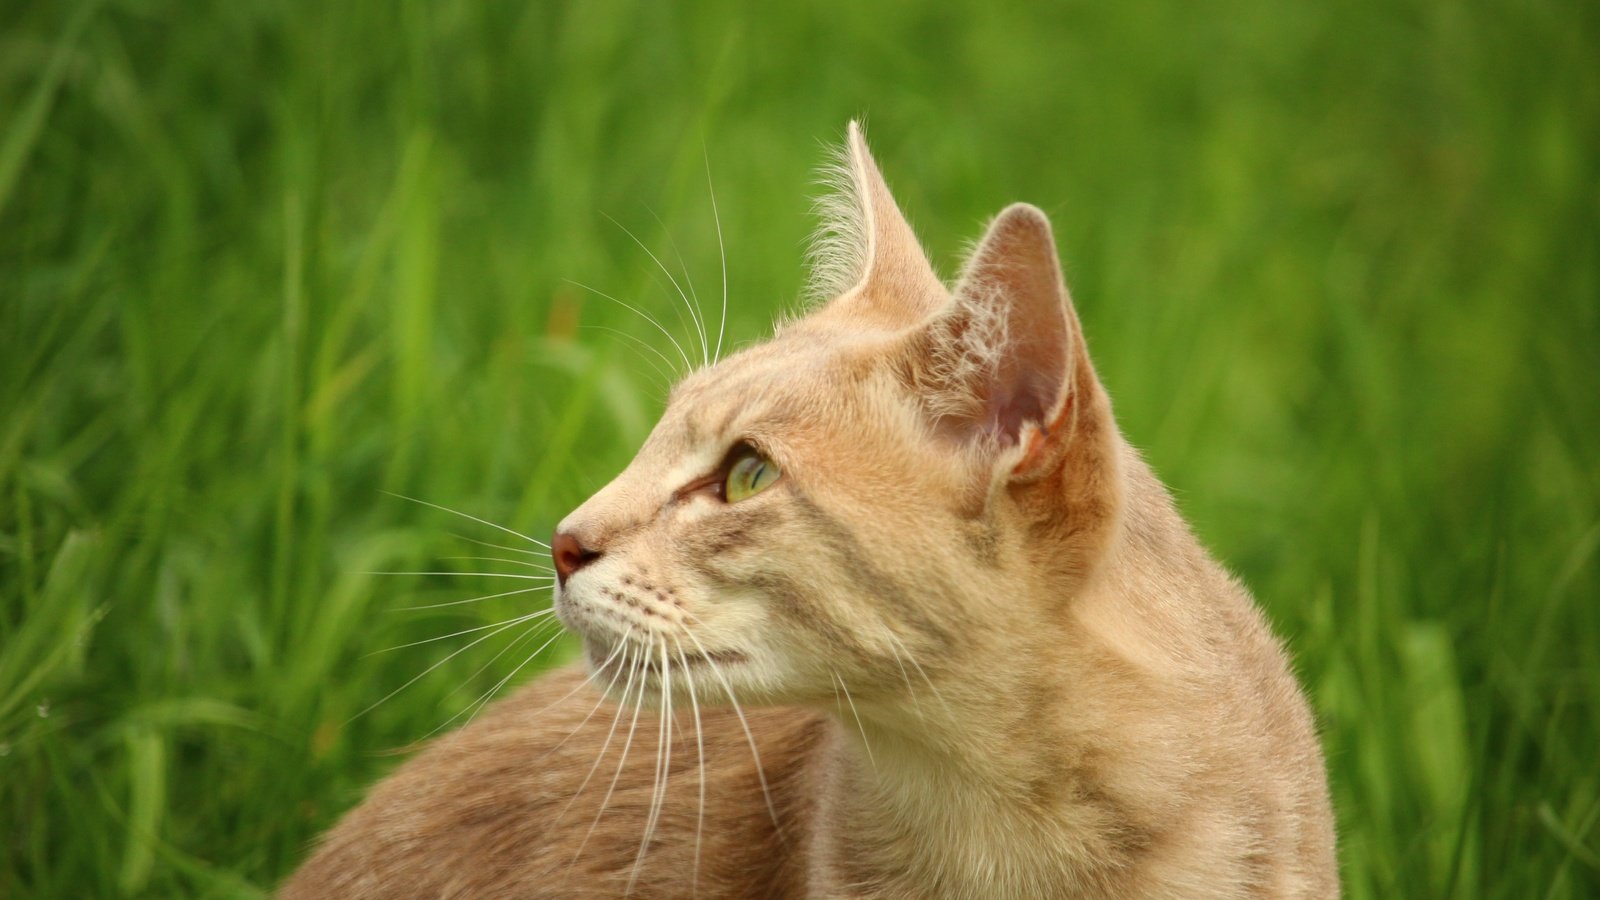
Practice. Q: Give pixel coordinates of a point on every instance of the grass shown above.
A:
(262, 263)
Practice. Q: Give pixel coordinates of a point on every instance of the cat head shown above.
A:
(909, 479)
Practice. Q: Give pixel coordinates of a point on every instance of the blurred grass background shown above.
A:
(262, 262)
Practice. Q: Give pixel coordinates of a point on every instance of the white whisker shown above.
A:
(542, 554)
(761, 774)
(509, 562)
(658, 791)
(912, 657)
(693, 314)
(489, 695)
(463, 515)
(687, 364)
(424, 672)
(527, 633)
(857, 716)
(599, 701)
(904, 676)
(666, 383)
(444, 637)
(627, 743)
(548, 578)
(627, 689)
(689, 280)
(700, 756)
(527, 590)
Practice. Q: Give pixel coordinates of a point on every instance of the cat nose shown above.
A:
(570, 555)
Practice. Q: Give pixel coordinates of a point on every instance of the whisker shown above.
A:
(688, 366)
(693, 314)
(904, 676)
(700, 756)
(542, 554)
(632, 667)
(667, 379)
(626, 745)
(687, 278)
(550, 578)
(457, 652)
(912, 657)
(528, 590)
(687, 321)
(658, 790)
(463, 515)
(599, 702)
(857, 716)
(511, 562)
(489, 695)
(761, 774)
(721, 252)
(528, 632)
(444, 637)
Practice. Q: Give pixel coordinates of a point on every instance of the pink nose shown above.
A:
(570, 555)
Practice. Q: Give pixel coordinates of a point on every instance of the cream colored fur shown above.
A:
(983, 655)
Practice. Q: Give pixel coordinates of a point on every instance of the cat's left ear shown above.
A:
(866, 260)
(1005, 363)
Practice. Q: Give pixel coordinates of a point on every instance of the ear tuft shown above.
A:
(841, 246)
(865, 260)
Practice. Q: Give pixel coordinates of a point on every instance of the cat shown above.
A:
(975, 651)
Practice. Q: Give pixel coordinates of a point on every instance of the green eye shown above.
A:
(749, 475)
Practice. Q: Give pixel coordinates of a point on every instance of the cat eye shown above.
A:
(749, 474)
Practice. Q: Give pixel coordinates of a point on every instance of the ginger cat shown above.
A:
(976, 650)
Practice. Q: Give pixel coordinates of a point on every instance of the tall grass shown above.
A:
(263, 265)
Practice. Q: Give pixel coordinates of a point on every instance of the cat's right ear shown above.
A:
(1004, 374)
(1004, 364)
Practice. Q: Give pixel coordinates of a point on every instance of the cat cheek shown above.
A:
(726, 541)
(751, 527)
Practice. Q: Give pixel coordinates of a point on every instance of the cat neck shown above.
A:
(1044, 774)
(980, 798)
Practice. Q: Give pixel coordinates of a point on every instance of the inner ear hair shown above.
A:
(992, 366)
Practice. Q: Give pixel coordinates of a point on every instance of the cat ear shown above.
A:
(866, 261)
(1003, 362)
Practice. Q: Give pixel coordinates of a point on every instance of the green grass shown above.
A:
(261, 263)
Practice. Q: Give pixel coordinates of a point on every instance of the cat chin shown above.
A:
(605, 660)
